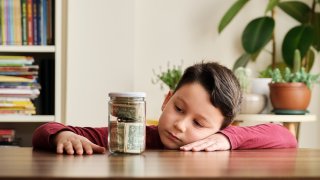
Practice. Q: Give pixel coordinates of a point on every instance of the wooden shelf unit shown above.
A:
(43, 52)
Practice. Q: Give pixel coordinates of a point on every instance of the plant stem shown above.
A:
(311, 20)
(313, 11)
(273, 43)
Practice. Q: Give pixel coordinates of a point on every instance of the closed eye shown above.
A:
(178, 109)
(196, 123)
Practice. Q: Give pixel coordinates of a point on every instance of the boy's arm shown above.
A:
(259, 137)
(43, 135)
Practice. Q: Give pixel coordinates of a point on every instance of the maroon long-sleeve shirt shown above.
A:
(251, 137)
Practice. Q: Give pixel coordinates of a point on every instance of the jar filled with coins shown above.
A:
(127, 122)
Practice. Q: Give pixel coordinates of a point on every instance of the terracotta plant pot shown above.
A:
(289, 96)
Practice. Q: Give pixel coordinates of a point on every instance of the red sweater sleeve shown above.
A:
(42, 136)
(259, 136)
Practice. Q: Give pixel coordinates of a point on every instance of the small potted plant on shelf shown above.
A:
(260, 32)
(252, 103)
(290, 91)
(170, 77)
(304, 36)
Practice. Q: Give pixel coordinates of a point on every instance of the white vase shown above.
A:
(253, 103)
(261, 86)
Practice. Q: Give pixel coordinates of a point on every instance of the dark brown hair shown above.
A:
(220, 83)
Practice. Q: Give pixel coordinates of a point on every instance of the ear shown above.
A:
(166, 100)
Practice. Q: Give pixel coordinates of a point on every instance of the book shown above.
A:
(4, 20)
(23, 104)
(7, 135)
(17, 22)
(38, 22)
(20, 112)
(27, 74)
(1, 22)
(19, 91)
(48, 20)
(19, 84)
(44, 21)
(24, 22)
(16, 60)
(29, 68)
(14, 79)
(35, 23)
(17, 108)
(29, 22)
(9, 22)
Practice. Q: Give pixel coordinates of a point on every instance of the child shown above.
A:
(195, 117)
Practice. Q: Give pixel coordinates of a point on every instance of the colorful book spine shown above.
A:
(49, 17)
(4, 21)
(24, 22)
(1, 22)
(17, 22)
(44, 22)
(30, 22)
(35, 24)
(39, 21)
(10, 23)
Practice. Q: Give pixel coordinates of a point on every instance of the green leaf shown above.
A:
(255, 55)
(257, 34)
(271, 5)
(299, 37)
(310, 60)
(242, 61)
(297, 10)
(316, 28)
(231, 13)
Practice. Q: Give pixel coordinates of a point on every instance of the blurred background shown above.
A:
(116, 45)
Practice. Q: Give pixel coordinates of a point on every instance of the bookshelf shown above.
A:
(49, 59)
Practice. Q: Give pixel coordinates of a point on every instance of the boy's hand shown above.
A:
(215, 142)
(71, 143)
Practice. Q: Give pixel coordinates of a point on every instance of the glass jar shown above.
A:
(127, 122)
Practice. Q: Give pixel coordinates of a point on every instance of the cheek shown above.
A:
(165, 118)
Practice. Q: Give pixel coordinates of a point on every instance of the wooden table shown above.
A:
(18, 163)
(292, 122)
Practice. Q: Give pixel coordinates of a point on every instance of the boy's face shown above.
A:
(188, 116)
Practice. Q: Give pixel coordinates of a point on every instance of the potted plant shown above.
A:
(260, 31)
(169, 77)
(252, 103)
(290, 92)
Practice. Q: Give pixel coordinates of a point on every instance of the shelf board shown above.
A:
(276, 118)
(25, 118)
(27, 48)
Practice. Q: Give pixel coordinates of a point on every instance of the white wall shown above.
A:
(173, 30)
(113, 45)
(99, 57)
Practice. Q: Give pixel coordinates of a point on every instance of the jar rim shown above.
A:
(127, 94)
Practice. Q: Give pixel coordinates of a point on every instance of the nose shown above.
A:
(180, 124)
